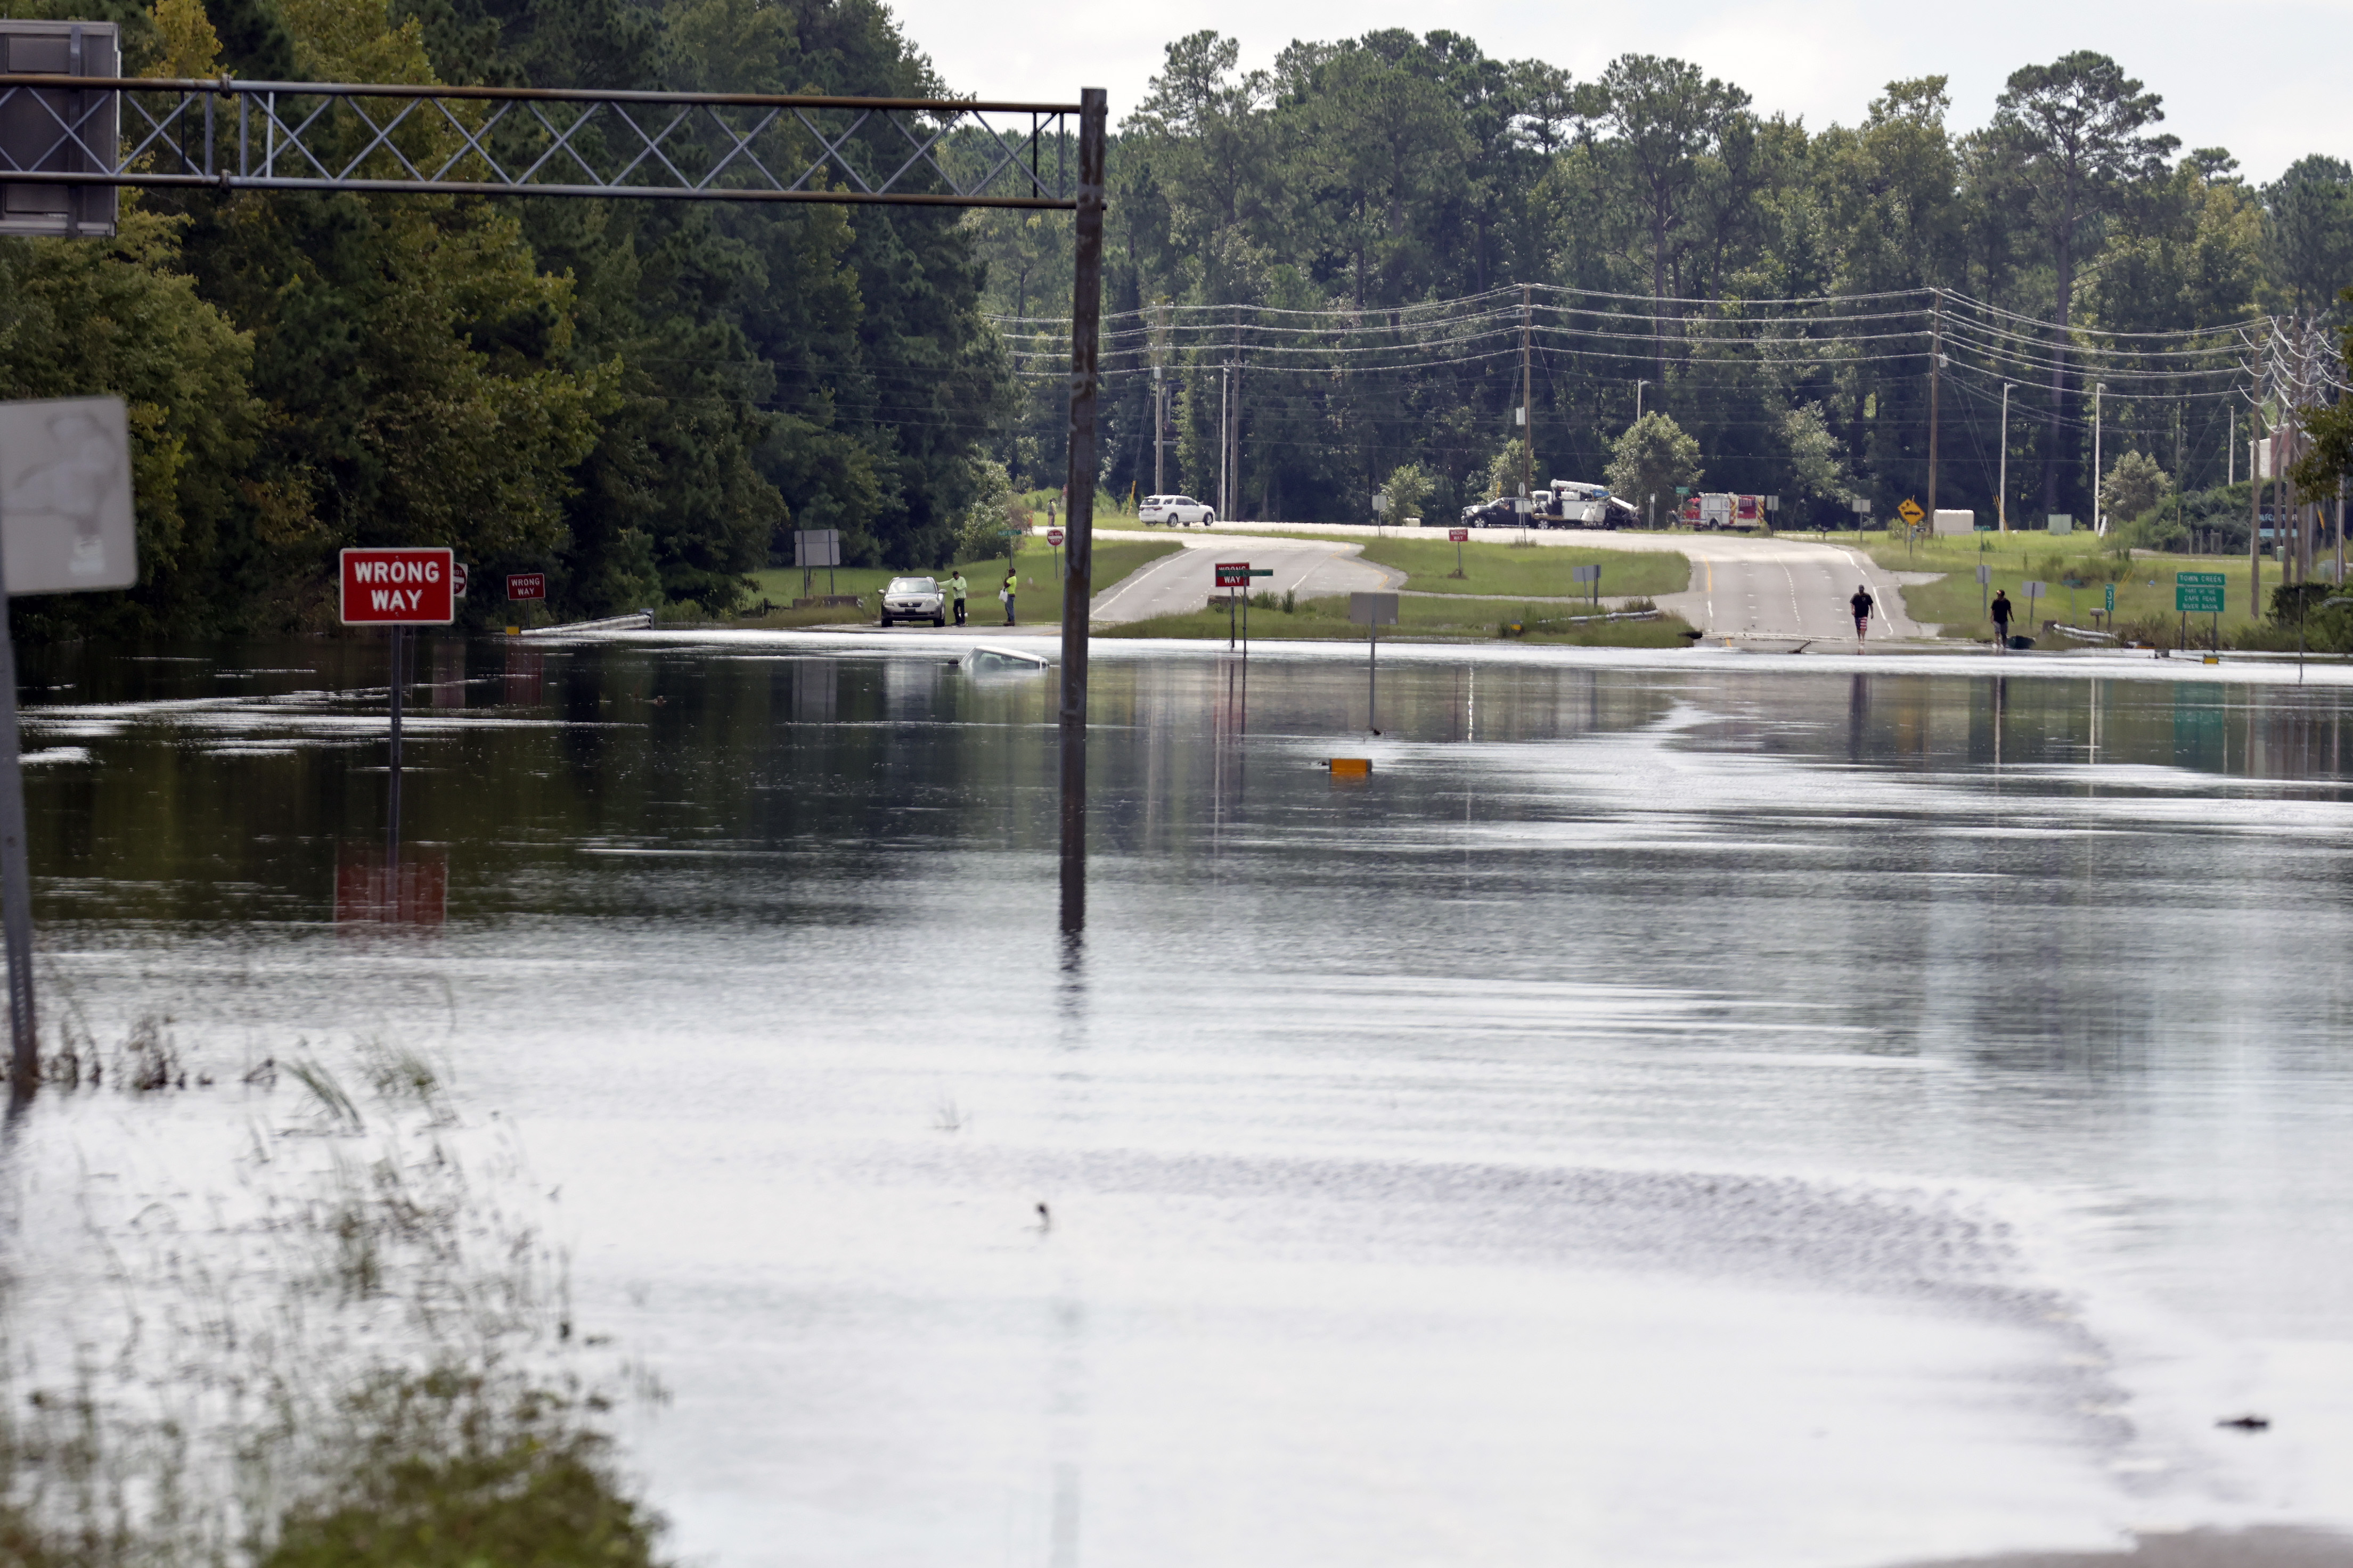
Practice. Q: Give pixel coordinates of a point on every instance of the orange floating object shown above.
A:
(1350, 767)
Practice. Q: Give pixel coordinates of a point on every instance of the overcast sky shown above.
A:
(2263, 77)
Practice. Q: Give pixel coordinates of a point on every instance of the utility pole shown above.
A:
(1234, 431)
(1079, 541)
(1225, 409)
(1638, 400)
(2098, 387)
(1935, 384)
(2001, 500)
(2294, 568)
(1160, 388)
(2181, 434)
(1527, 414)
(2254, 518)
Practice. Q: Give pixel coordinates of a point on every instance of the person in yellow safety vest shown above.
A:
(1005, 594)
(956, 588)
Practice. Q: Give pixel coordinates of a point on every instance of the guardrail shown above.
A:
(638, 620)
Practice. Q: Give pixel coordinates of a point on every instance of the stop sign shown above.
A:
(1054, 537)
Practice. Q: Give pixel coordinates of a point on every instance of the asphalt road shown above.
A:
(1184, 582)
(1781, 590)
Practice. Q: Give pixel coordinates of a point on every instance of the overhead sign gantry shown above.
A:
(74, 132)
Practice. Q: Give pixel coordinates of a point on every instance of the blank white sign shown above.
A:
(66, 522)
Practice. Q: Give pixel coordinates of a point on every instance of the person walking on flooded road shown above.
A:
(2001, 620)
(1861, 603)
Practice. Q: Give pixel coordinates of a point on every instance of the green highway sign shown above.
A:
(2112, 598)
(2197, 599)
(2199, 579)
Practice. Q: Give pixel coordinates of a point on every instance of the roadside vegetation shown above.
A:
(2143, 584)
(1039, 603)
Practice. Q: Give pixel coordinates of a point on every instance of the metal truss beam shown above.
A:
(231, 134)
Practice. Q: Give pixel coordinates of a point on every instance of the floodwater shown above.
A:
(1677, 1110)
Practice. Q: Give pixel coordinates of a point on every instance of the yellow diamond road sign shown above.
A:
(1910, 510)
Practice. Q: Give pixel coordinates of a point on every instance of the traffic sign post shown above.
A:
(66, 527)
(523, 585)
(400, 588)
(1985, 578)
(1592, 575)
(813, 548)
(2199, 594)
(1372, 612)
(1054, 543)
(1456, 537)
(1238, 574)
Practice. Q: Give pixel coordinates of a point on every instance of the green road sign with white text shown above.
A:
(2197, 599)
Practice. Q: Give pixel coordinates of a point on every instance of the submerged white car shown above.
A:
(1176, 511)
(914, 599)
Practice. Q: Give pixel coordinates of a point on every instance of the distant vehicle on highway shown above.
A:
(1504, 513)
(914, 599)
(1723, 509)
(1176, 511)
(1573, 504)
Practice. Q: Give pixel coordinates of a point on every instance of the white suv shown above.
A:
(1176, 512)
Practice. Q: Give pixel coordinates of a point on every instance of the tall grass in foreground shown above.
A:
(348, 1342)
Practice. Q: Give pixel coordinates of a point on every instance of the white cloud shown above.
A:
(2260, 77)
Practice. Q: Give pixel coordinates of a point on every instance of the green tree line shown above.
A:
(1371, 175)
(639, 398)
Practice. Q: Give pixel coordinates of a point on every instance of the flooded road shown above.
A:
(1675, 1111)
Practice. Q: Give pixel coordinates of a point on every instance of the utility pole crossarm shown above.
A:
(231, 134)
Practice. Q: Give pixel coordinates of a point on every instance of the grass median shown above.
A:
(1498, 569)
(1540, 572)
(1326, 620)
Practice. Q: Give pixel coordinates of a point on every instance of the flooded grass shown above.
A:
(348, 1342)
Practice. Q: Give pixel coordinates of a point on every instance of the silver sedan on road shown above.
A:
(914, 599)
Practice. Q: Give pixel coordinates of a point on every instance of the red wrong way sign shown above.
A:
(526, 584)
(1233, 573)
(1054, 537)
(1457, 536)
(399, 587)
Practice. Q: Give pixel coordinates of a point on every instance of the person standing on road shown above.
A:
(1861, 603)
(956, 589)
(2001, 620)
(1012, 582)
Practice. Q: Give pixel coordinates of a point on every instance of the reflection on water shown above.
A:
(1777, 1086)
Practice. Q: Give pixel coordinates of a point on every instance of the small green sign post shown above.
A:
(2200, 593)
